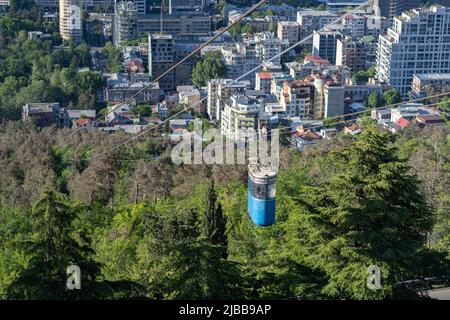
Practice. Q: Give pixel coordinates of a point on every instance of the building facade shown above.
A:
(129, 24)
(351, 53)
(45, 114)
(240, 60)
(354, 25)
(186, 5)
(121, 86)
(297, 99)
(125, 22)
(70, 20)
(417, 43)
(433, 82)
(161, 58)
(288, 30)
(324, 44)
(219, 90)
(239, 116)
(310, 20)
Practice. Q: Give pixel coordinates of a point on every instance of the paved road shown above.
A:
(440, 294)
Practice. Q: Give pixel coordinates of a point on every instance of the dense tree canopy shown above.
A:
(362, 76)
(31, 72)
(370, 212)
(210, 67)
(150, 228)
(392, 96)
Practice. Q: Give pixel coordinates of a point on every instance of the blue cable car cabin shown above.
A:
(261, 194)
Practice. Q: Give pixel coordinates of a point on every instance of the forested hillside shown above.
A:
(140, 226)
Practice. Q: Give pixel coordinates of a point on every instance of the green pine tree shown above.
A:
(369, 212)
(196, 270)
(54, 246)
(214, 222)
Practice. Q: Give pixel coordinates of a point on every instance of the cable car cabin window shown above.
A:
(257, 190)
(271, 191)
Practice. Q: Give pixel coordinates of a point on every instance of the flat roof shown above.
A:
(311, 12)
(440, 294)
(433, 76)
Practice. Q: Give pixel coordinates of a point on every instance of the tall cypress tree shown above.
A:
(214, 222)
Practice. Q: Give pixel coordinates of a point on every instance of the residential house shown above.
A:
(304, 139)
(353, 129)
(45, 114)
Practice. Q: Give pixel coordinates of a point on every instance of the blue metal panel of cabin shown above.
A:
(262, 212)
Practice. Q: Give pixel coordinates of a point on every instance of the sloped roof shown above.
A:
(402, 122)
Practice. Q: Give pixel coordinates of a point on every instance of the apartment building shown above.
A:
(433, 82)
(240, 60)
(240, 115)
(288, 30)
(417, 43)
(325, 43)
(393, 8)
(310, 20)
(70, 20)
(186, 5)
(354, 25)
(267, 46)
(351, 53)
(45, 114)
(125, 22)
(310, 65)
(121, 86)
(264, 80)
(371, 47)
(161, 58)
(220, 90)
(130, 25)
(297, 99)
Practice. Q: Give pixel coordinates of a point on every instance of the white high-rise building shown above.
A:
(310, 20)
(240, 60)
(354, 25)
(267, 46)
(220, 90)
(417, 43)
(70, 20)
(239, 116)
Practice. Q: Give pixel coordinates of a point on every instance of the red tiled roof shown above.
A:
(264, 75)
(311, 136)
(402, 122)
(353, 127)
(307, 135)
(316, 59)
(82, 122)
